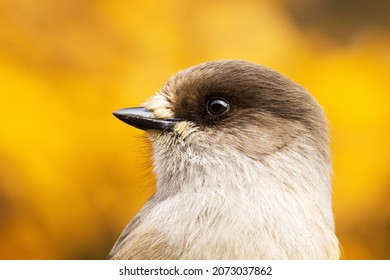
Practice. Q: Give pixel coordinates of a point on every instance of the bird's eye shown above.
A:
(217, 106)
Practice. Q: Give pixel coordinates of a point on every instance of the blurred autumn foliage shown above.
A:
(72, 176)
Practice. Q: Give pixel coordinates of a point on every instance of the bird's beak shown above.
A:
(144, 119)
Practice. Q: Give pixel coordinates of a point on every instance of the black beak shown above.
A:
(144, 119)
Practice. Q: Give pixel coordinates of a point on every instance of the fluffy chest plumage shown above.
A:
(254, 213)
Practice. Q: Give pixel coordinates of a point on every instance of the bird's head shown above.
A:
(219, 107)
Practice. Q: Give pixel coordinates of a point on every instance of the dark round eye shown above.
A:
(217, 106)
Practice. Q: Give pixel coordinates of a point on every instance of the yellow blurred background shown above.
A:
(72, 176)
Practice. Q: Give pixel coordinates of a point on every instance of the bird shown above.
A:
(243, 169)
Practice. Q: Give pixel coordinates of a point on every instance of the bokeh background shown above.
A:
(72, 176)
